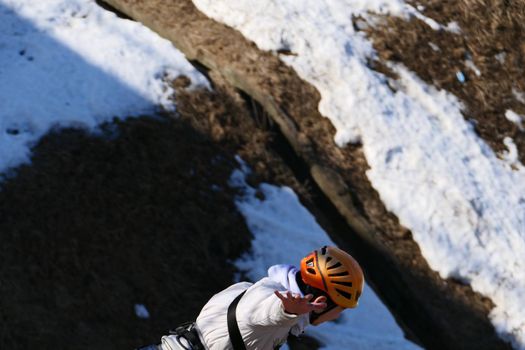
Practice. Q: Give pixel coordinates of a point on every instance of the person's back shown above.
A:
(289, 299)
(262, 320)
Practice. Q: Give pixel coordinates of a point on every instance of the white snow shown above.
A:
(433, 46)
(511, 155)
(520, 96)
(470, 64)
(501, 57)
(453, 27)
(71, 63)
(464, 205)
(284, 232)
(515, 118)
(141, 311)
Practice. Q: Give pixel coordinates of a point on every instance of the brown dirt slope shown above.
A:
(492, 37)
(142, 214)
(430, 309)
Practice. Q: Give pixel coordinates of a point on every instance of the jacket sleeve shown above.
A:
(267, 309)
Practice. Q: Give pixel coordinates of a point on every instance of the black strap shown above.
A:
(187, 330)
(233, 327)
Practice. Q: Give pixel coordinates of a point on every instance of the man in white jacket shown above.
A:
(289, 299)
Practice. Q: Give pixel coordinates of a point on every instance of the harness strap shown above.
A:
(233, 327)
(188, 332)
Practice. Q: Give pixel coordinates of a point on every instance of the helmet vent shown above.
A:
(348, 284)
(310, 270)
(328, 259)
(323, 250)
(344, 294)
(336, 265)
(344, 273)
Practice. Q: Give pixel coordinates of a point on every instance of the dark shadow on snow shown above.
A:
(140, 213)
(39, 76)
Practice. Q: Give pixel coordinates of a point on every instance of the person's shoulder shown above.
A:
(268, 283)
(236, 288)
(225, 296)
(240, 286)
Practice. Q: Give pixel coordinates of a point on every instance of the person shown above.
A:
(285, 302)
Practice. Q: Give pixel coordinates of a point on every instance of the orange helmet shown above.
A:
(334, 272)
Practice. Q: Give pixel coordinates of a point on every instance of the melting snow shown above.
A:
(464, 205)
(71, 63)
(284, 231)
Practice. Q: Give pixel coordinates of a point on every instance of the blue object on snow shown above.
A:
(461, 77)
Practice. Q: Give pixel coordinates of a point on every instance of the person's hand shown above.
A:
(295, 304)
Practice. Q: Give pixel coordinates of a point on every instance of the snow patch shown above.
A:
(515, 118)
(464, 205)
(501, 57)
(470, 64)
(434, 46)
(71, 63)
(453, 27)
(141, 311)
(520, 96)
(284, 232)
(511, 155)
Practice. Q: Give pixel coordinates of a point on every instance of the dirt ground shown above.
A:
(99, 224)
(140, 215)
(489, 50)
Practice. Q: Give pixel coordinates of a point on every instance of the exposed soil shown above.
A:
(491, 37)
(431, 310)
(236, 121)
(99, 224)
(140, 215)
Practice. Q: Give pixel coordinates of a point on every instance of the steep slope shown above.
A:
(431, 309)
(98, 225)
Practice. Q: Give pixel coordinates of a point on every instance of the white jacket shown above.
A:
(263, 323)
